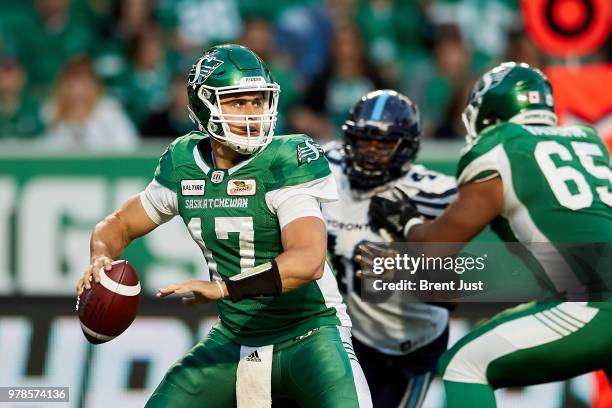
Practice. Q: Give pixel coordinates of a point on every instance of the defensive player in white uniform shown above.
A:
(397, 342)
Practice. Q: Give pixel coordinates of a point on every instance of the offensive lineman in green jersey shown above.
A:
(536, 183)
(252, 204)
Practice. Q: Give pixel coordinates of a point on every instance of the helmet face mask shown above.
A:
(381, 138)
(232, 70)
(370, 157)
(510, 92)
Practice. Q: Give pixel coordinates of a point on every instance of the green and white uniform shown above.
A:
(236, 216)
(557, 187)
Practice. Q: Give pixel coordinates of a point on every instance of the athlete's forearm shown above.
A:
(283, 274)
(429, 234)
(114, 233)
(476, 205)
(301, 262)
(299, 266)
(109, 238)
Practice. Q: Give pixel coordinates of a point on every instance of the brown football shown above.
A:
(110, 306)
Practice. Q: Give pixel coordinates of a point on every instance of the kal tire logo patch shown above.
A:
(193, 187)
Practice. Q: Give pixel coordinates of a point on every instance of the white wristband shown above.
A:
(411, 223)
(220, 289)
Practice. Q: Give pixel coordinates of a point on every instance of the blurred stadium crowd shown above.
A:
(107, 74)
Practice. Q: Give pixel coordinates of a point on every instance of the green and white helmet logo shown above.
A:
(203, 69)
(491, 79)
(510, 92)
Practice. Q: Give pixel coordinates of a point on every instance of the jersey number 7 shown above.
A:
(223, 226)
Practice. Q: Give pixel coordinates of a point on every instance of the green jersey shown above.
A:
(557, 189)
(231, 215)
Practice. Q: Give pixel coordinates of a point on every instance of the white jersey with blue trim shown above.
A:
(393, 327)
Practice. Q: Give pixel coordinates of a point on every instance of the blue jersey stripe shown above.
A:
(448, 193)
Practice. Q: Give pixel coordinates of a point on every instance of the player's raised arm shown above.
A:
(112, 235)
(476, 205)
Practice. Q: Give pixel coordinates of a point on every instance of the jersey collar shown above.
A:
(201, 163)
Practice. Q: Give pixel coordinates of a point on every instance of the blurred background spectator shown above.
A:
(519, 47)
(19, 111)
(483, 25)
(79, 116)
(305, 31)
(450, 125)
(258, 35)
(394, 33)
(448, 72)
(172, 120)
(146, 84)
(348, 76)
(122, 21)
(324, 53)
(47, 37)
(133, 16)
(196, 24)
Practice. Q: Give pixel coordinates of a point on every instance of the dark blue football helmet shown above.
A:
(381, 138)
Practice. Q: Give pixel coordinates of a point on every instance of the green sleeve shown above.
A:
(178, 153)
(164, 173)
(481, 160)
(298, 160)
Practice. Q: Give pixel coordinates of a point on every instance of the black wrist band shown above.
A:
(262, 280)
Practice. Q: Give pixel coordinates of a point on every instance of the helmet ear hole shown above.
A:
(204, 94)
(490, 119)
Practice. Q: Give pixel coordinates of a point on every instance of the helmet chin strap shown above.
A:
(195, 119)
(469, 121)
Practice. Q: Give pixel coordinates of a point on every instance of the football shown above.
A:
(110, 306)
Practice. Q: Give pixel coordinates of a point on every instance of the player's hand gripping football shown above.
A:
(93, 273)
(390, 212)
(193, 291)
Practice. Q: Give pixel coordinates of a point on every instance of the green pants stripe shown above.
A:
(531, 344)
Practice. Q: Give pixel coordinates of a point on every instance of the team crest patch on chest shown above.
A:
(244, 187)
(217, 176)
(308, 151)
(193, 187)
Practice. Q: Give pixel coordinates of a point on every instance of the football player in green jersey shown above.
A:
(252, 204)
(536, 183)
